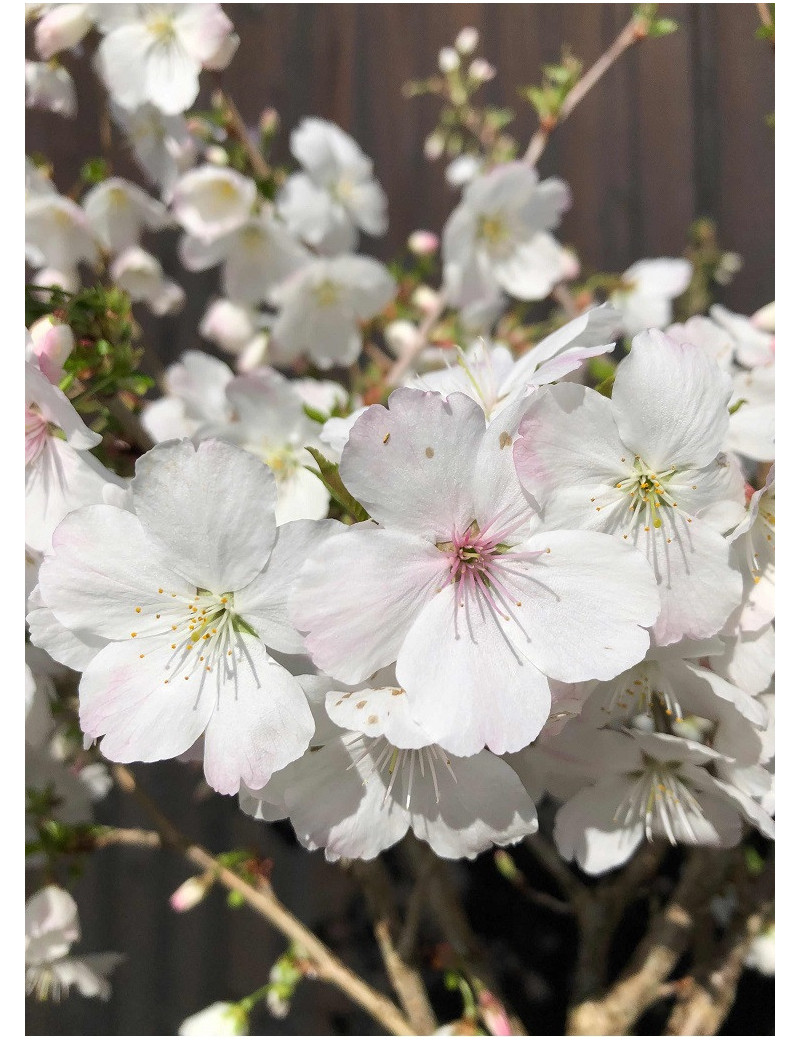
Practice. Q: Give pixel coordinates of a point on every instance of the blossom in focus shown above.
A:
(336, 195)
(49, 345)
(187, 588)
(379, 776)
(498, 236)
(154, 52)
(51, 929)
(322, 306)
(646, 467)
(493, 378)
(650, 286)
(477, 607)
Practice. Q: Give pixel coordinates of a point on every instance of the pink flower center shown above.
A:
(480, 564)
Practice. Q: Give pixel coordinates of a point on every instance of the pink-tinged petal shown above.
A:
(142, 706)
(260, 722)
(566, 362)
(210, 508)
(264, 602)
(358, 595)
(698, 585)
(467, 683)
(58, 409)
(569, 443)
(410, 465)
(586, 602)
(585, 829)
(670, 402)
(103, 566)
(58, 481)
(202, 29)
(482, 803)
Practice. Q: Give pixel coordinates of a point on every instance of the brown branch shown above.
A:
(633, 31)
(408, 985)
(261, 898)
(132, 429)
(705, 999)
(656, 956)
(764, 15)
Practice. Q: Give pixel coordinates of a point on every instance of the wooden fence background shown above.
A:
(676, 130)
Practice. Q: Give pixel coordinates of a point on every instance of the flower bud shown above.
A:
(423, 243)
(269, 123)
(481, 70)
(467, 40)
(399, 336)
(217, 155)
(434, 146)
(425, 298)
(191, 892)
(52, 345)
(494, 1014)
(448, 60)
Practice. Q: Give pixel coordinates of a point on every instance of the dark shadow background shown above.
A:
(677, 129)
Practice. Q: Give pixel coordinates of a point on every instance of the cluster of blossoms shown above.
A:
(524, 586)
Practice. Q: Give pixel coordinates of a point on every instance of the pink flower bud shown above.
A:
(467, 40)
(190, 893)
(494, 1014)
(423, 243)
(52, 345)
(425, 298)
(481, 70)
(448, 60)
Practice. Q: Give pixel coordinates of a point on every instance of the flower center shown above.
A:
(404, 763)
(162, 27)
(327, 293)
(493, 230)
(480, 564)
(660, 793)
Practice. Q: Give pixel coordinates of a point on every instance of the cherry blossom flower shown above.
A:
(51, 929)
(118, 211)
(498, 237)
(336, 195)
(187, 588)
(361, 790)
(452, 582)
(142, 277)
(161, 144)
(237, 329)
(322, 305)
(61, 27)
(57, 233)
(256, 255)
(195, 398)
(154, 52)
(650, 286)
(493, 378)
(212, 201)
(50, 87)
(645, 467)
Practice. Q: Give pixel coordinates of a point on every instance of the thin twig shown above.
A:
(764, 15)
(261, 898)
(417, 344)
(132, 429)
(236, 126)
(408, 985)
(416, 901)
(633, 31)
(548, 857)
(450, 915)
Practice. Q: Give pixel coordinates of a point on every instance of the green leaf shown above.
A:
(235, 900)
(329, 475)
(314, 415)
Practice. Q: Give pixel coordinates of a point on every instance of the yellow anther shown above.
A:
(138, 610)
(173, 646)
(160, 591)
(133, 635)
(141, 656)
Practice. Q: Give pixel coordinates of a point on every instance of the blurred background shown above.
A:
(677, 129)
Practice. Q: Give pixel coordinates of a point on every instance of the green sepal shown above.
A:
(329, 475)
